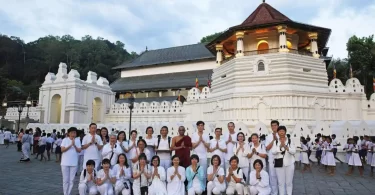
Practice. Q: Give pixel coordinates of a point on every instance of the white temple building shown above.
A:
(267, 68)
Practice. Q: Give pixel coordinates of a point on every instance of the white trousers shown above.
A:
(273, 177)
(80, 162)
(166, 164)
(97, 163)
(120, 188)
(213, 189)
(85, 189)
(203, 164)
(105, 189)
(195, 190)
(255, 191)
(232, 188)
(68, 174)
(285, 178)
(26, 150)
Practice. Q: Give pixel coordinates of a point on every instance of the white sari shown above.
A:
(157, 186)
(176, 186)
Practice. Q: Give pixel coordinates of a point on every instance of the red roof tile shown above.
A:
(264, 14)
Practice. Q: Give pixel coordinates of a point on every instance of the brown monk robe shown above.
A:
(182, 146)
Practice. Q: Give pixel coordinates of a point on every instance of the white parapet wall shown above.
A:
(12, 113)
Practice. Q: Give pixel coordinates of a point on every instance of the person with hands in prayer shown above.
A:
(111, 150)
(201, 143)
(92, 144)
(141, 175)
(218, 146)
(141, 149)
(87, 181)
(122, 172)
(258, 151)
(234, 178)
(158, 177)
(259, 180)
(106, 178)
(241, 150)
(176, 177)
(132, 147)
(194, 176)
(215, 177)
(182, 145)
(230, 139)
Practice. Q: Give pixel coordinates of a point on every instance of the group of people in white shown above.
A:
(108, 163)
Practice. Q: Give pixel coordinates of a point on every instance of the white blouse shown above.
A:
(127, 173)
(242, 154)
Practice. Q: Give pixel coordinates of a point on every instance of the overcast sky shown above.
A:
(166, 23)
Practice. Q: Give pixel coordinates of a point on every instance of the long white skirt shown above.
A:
(330, 159)
(369, 157)
(157, 187)
(347, 157)
(1, 139)
(355, 160)
(176, 188)
(324, 159)
(373, 160)
(305, 158)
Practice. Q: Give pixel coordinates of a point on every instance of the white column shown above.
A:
(314, 44)
(160, 94)
(282, 38)
(240, 47)
(219, 53)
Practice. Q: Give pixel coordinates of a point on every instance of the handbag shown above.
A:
(279, 162)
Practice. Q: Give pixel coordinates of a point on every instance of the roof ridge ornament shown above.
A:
(264, 1)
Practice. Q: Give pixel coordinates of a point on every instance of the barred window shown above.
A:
(261, 66)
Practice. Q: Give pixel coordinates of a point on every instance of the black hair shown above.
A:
(231, 123)
(254, 134)
(173, 157)
(218, 128)
(155, 157)
(233, 158)
(164, 127)
(258, 161)
(304, 142)
(275, 121)
(91, 124)
(27, 132)
(142, 140)
(133, 131)
(330, 139)
(44, 134)
(194, 156)
(126, 160)
(318, 135)
(107, 136)
(106, 161)
(281, 128)
(149, 127)
(333, 135)
(59, 136)
(308, 138)
(71, 129)
(244, 138)
(90, 162)
(213, 157)
(121, 132)
(200, 123)
(142, 156)
(48, 134)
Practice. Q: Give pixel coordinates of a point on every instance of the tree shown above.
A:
(210, 38)
(362, 59)
(342, 69)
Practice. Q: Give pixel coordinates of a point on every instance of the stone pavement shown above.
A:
(45, 178)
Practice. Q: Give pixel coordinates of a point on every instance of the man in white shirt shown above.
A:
(230, 139)
(270, 141)
(201, 142)
(7, 136)
(92, 144)
(111, 150)
(163, 146)
(218, 146)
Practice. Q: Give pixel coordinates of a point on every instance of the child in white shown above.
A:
(355, 160)
(105, 179)
(348, 153)
(305, 158)
(215, 176)
(234, 177)
(87, 180)
(330, 158)
(122, 172)
(259, 180)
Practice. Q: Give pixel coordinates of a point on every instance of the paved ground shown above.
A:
(45, 178)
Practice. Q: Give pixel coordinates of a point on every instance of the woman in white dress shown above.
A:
(151, 142)
(106, 178)
(139, 150)
(215, 177)
(257, 151)
(158, 177)
(242, 151)
(141, 175)
(348, 153)
(355, 160)
(70, 148)
(323, 161)
(123, 173)
(176, 177)
(369, 146)
(259, 180)
(304, 156)
(121, 141)
(330, 158)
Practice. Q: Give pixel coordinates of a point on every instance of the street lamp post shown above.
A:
(4, 104)
(131, 106)
(28, 104)
(20, 108)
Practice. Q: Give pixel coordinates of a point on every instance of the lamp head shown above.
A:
(28, 101)
(4, 103)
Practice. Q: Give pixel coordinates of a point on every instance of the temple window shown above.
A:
(261, 66)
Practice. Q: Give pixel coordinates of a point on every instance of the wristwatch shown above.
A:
(257, 153)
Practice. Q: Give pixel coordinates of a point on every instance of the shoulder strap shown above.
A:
(169, 142)
(238, 170)
(84, 173)
(196, 173)
(158, 142)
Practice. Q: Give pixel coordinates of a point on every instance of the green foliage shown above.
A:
(342, 69)
(210, 38)
(23, 66)
(362, 58)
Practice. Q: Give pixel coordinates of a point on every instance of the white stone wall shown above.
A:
(12, 113)
(65, 98)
